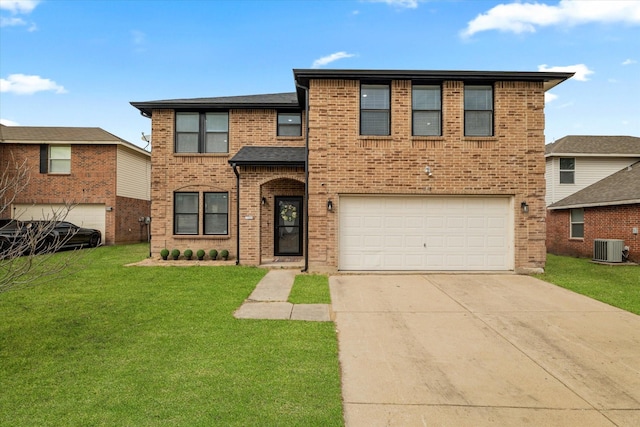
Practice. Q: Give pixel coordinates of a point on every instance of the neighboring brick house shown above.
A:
(105, 178)
(406, 170)
(593, 192)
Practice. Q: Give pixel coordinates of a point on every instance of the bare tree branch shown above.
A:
(28, 248)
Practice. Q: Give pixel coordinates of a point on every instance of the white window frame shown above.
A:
(59, 159)
(566, 171)
(576, 221)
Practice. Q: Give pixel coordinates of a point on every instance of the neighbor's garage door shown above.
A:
(84, 215)
(425, 233)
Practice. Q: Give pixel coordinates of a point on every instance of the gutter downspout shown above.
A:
(306, 178)
(235, 170)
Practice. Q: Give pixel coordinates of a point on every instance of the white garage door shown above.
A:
(425, 233)
(84, 215)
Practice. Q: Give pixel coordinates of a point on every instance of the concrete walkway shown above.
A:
(269, 301)
(482, 350)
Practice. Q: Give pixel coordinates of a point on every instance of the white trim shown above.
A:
(596, 205)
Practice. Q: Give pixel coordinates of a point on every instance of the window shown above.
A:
(215, 214)
(478, 111)
(185, 213)
(374, 110)
(426, 105)
(216, 211)
(202, 132)
(567, 170)
(577, 223)
(289, 124)
(55, 159)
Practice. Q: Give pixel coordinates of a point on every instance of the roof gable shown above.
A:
(623, 187)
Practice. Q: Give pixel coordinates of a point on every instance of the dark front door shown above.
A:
(288, 226)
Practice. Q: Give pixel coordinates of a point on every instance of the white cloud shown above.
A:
(330, 58)
(8, 122)
(408, 4)
(527, 17)
(548, 97)
(19, 6)
(11, 22)
(21, 84)
(629, 61)
(581, 71)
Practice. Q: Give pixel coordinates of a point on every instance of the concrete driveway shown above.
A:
(482, 350)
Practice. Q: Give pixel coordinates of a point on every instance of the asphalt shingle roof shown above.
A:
(287, 100)
(269, 156)
(623, 187)
(52, 134)
(62, 135)
(594, 145)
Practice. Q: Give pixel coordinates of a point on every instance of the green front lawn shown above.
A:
(310, 289)
(152, 346)
(615, 285)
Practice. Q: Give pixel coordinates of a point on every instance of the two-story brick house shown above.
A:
(359, 170)
(103, 179)
(593, 193)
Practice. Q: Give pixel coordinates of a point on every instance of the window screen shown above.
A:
(426, 105)
(374, 110)
(185, 213)
(59, 159)
(478, 111)
(567, 170)
(577, 223)
(289, 124)
(216, 212)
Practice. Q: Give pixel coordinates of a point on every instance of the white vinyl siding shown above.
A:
(588, 170)
(425, 233)
(133, 178)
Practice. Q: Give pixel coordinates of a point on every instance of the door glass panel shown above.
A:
(288, 230)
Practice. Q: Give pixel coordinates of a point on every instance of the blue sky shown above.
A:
(80, 63)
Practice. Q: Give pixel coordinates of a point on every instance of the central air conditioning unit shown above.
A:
(608, 250)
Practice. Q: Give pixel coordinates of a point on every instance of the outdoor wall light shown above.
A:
(428, 171)
(263, 201)
(329, 205)
(525, 207)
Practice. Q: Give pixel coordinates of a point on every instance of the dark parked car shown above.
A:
(39, 236)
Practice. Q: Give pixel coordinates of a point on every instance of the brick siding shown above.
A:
(607, 222)
(92, 180)
(510, 163)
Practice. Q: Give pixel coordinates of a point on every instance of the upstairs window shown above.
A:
(478, 111)
(374, 110)
(202, 132)
(427, 110)
(289, 124)
(567, 170)
(577, 223)
(55, 159)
